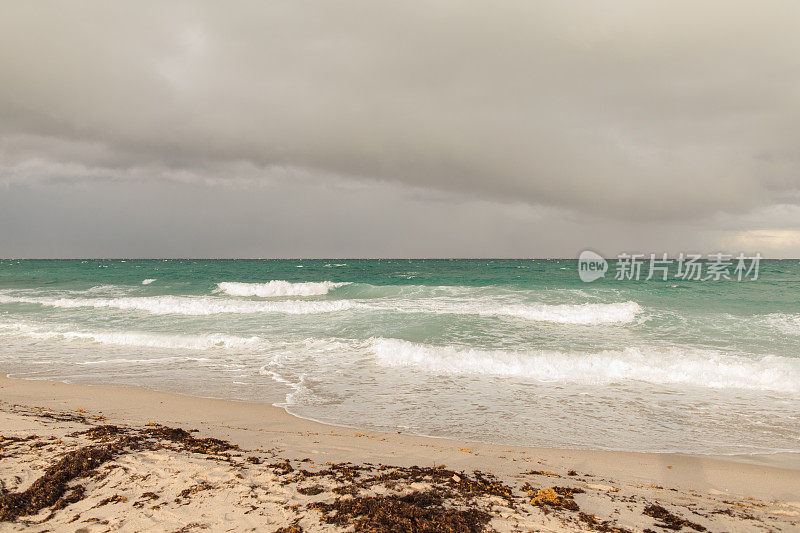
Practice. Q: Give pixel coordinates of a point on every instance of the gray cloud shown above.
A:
(628, 111)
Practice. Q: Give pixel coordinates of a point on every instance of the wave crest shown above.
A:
(582, 314)
(278, 287)
(136, 338)
(187, 305)
(660, 366)
(785, 323)
(586, 314)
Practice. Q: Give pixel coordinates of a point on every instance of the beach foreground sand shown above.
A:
(87, 458)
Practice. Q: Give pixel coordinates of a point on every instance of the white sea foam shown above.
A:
(97, 290)
(107, 290)
(278, 288)
(785, 323)
(291, 362)
(148, 281)
(660, 366)
(150, 361)
(124, 361)
(187, 305)
(150, 340)
(586, 314)
(302, 393)
(135, 338)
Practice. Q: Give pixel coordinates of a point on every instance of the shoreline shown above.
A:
(780, 459)
(670, 479)
(116, 401)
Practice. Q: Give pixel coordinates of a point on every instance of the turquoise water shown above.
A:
(512, 351)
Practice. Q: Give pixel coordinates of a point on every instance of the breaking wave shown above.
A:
(187, 305)
(785, 323)
(136, 338)
(661, 366)
(277, 287)
(586, 314)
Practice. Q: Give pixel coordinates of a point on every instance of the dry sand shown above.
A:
(90, 458)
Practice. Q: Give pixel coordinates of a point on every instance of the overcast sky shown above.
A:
(376, 128)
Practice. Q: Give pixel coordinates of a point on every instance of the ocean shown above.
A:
(520, 352)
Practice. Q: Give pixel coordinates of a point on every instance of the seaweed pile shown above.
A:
(417, 511)
(448, 505)
(668, 520)
(357, 497)
(53, 488)
(49, 490)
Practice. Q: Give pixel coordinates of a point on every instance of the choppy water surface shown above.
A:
(513, 351)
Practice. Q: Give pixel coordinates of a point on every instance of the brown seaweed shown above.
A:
(50, 487)
(415, 512)
(669, 520)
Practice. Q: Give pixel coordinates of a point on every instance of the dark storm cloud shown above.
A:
(629, 110)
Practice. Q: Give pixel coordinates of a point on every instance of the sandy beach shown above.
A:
(95, 458)
(408, 266)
